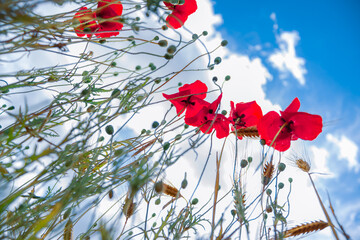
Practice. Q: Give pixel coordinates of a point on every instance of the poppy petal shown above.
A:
(305, 126)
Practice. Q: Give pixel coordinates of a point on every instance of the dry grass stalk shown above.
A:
(68, 230)
(250, 132)
(306, 228)
(161, 187)
(143, 147)
(303, 165)
(129, 207)
(268, 172)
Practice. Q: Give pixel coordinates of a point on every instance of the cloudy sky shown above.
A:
(305, 49)
(279, 50)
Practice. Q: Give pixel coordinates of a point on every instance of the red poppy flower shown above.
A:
(180, 13)
(108, 13)
(87, 19)
(245, 115)
(293, 125)
(204, 119)
(190, 98)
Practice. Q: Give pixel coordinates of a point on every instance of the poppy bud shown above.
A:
(243, 163)
(171, 49)
(155, 124)
(109, 129)
(217, 60)
(205, 33)
(227, 78)
(194, 201)
(290, 180)
(250, 159)
(163, 43)
(224, 43)
(281, 185)
(195, 36)
(281, 167)
(166, 146)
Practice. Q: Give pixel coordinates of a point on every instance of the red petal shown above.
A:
(109, 29)
(221, 126)
(195, 108)
(294, 106)
(305, 126)
(198, 87)
(109, 8)
(250, 111)
(215, 104)
(176, 99)
(176, 20)
(87, 20)
(269, 125)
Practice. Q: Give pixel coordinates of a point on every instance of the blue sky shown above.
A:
(328, 43)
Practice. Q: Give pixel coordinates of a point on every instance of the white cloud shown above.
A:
(348, 150)
(285, 59)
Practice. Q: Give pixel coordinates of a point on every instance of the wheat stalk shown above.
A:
(306, 228)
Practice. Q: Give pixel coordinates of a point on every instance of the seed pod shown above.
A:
(111, 194)
(109, 129)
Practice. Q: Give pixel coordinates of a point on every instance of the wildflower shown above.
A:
(207, 119)
(190, 98)
(180, 13)
(291, 124)
(245, 115)
(86, 17)
(108, 13)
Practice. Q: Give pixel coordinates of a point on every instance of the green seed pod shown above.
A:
(194, 201)
(281, 185)
(164, 27)
(102, 41)
(85, 92)
(168, 56)
(171, 49)
(166, 146)
(138, 67)
(195, 36)
(153, 215)
(163, 43)
(143, 131)
(250, 159)
(214, 79)
(224, 112)
(281, 167)
(205, 33)
(262, 142)
(265, 216)
(157, 201)
(155, 124)
(178, 137)
(290, 180)
(217, 60)
(113, 64)
(85, 73)
(243, 163)
(268, 192)
(163, 122)
(115, 92)
(67, 213)
(90, 108)
(137, 7)
(118, 152)
(233, 212)
(227, 78)
(101, 139)
(184, 183)
(180, 84)
(224, 43)
(109, 129)
(154, 224)
(156, 38)
(186, 126)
